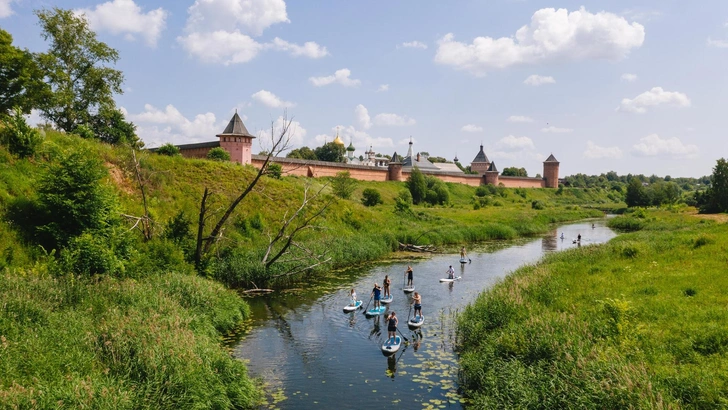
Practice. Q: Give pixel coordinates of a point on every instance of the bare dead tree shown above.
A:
(144, 222)
(280, 141)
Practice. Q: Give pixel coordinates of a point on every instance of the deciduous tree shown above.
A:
(21, 80)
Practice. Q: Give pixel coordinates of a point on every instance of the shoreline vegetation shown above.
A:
(639, 322)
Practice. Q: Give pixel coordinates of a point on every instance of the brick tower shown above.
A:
(491, 175)
(551, 172)
(481, 163)
(237, 141)
(395, 168)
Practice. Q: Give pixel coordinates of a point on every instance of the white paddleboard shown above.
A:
(387, 299)
(409, 289)
(351, 308)
(391, 346)
(450, 280)
(463, 260)
(376, 311)
(416, 321)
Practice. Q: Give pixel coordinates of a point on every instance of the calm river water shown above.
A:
(313, 355)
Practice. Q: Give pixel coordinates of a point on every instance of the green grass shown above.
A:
(639, 322)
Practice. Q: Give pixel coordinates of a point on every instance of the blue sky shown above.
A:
(629, 86)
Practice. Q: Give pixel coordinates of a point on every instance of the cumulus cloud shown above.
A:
(536, 80)
(383, 88)
(556, 130)
(628, 77)
(552, 35)
(361, 139)
(252, 16)
(413, 44)
(519, 118)
(156, 127)
(513, 143)
(340, 77)
(309, 49)
(296, 133)
(655, 96)
(221, 47)
(269, 99)
(594, 151)
(393, 120)
(717, 43)
(362, 117)
(654, 146)
(126, 17)
(471, 128)
(5, 9)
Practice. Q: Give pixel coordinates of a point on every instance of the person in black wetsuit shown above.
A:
(409, 275)
(392, 322)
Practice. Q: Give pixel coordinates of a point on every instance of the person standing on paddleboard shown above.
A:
(450, 273)
(392, 322)
(409, 272)
(386, 284)
(377, 295)
(417, 301)
(352, 294)
(462, 253)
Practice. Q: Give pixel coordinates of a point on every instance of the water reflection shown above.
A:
(375, 330)
(549, 243)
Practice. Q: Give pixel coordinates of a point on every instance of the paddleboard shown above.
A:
(463, 260)
(376, 311)
(449, 280)
(387, 299)
(416, 321)
(409, 289)
(391, 345)
(351, 308)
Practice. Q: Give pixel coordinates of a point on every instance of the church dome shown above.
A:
(338, 140)
(350, 147)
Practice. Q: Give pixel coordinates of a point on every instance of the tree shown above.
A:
(636, 195)
(168, 149)
(110, 126)
(21, 139)
(21, 80)
(715, 198)
(343, 184)
(371, 197)
(330, 152)
(417, 186)
(514, 172)
(302, 153)
(218, 154)
(75, 68)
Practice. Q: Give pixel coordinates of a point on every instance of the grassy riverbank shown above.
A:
(639, 322)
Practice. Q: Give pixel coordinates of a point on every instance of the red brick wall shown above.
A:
(521, 182)
(194, 152)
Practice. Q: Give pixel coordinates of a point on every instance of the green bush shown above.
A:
(403, 202)
(481, 191)
(21, 139)
(343, 184)
(626, 223)
(274, 171)
(538, 205)
(371, 197)
(215, 154)
(168, 149)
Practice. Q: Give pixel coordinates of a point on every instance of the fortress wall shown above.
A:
(194, 152)
(521, 182)
(472, 180)
(317, 169)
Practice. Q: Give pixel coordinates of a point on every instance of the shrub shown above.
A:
(217, 154)
(690, 292)
(403, 202)
(21, 139)
(343, 184)
(417, 186)
(538, 205)
(371, 197)
(481, 191)
(626, 224)
(274, 171)
(168, 149)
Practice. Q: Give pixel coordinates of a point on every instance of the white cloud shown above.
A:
(383, 88)
(536, 80)
(362, 117)
(309, 49)
(653, 97)
(126, 17)
(519, 118)
(471, 128)
(556, 130)
(221, 47)
(155, 126)
(393, 120)
(552, 35)
(340, 77)
(642, 15)
(296, 133)
(253, 16)
(413, 44)
(654, 146)
(628, 77)
(513, 143)
(269, 99)
(361, 139)
(717, 43)
(5, 9)
(594, 151)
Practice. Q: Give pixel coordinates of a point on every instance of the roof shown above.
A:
(448, 167)
(492, 167)
(423, 163)
(551, 158)
(350, 147)
(208, 144)
(480, 157)
(395, 157)
(236, 128)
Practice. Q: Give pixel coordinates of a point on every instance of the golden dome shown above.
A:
(338, 140)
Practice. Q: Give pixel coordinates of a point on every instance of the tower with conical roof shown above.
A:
(551, 172)
(395, 167)
(481, 163)
(491, 175)
(237, 141)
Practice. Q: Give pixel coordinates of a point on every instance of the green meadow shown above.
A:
(639, 322)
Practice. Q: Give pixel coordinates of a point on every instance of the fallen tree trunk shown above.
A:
(416, 248)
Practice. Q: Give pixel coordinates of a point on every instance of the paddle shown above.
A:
(370, 299)
(403, 336)
(408, 313)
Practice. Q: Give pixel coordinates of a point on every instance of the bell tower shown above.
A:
(237, 141)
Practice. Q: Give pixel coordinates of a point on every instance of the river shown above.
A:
(313, 355)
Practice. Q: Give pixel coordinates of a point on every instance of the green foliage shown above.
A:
(274, 170)
(538, 205)
(217, 154)
(96, 254)
(626, 223)
(110, 126)
(302, 153)
(21, 80)
(403, 202)
(343, 185)
(715, 199)
(481, 191)
(371, 197)
(84, 131)
(437, 192)
(417, 186)
(514, 172)
(20, 139)
(168, 149)
(330, 152)
(73, 198)
(636, 195)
